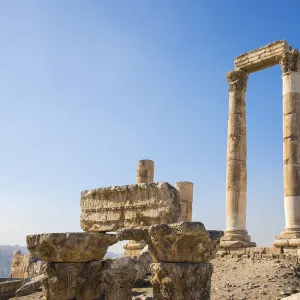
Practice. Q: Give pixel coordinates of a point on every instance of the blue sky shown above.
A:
(87, 88)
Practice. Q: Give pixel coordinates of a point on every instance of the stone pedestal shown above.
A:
(181, 281)
(236, 234)
(80, 281)
(290, 237)
(74, 263)
(181, 253)
(185, 190)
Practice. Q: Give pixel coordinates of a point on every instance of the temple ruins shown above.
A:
(279, 52)
(155, 217)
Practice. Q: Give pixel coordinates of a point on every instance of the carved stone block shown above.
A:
(120, 277)
(111, 208)
(70, 247)
(179, 242)
(61, 280)
(181, 281)
(80, 281)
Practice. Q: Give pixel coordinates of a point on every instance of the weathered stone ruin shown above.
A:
(147, 215)
(25, 266)
(181, 253)
(236, 235)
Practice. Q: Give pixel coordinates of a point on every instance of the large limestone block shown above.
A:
(180, 242)
(70, 247)
(34, 285)
(181, 281)
(291, 126)
(263, 57)
(291, 151)
(111, 208)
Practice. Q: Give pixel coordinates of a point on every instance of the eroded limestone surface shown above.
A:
(111, 208)
(181, 281)
(70, 247)
(80, 281)
(120, 277)
(179, 242)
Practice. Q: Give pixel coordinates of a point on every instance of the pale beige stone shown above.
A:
(291, 126)
(108, 209)
(80, 281)
(133, 248)
(185, 190)
(236, 155)
(181, 281)
(61, 280)
(291, 103)
(263, 57)
(25, 265)
(145, 171)
(236, 175)
(145, 174)
(291, 173)
(120, 277)
(236, 171)
(179, 242)
(70, 247)
(291, 152)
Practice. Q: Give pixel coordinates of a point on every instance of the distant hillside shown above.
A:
(6, 253)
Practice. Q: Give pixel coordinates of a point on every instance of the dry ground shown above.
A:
(243, 278)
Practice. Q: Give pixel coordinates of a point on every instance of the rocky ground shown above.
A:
(242, 278)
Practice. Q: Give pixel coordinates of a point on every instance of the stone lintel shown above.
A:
(261, 58)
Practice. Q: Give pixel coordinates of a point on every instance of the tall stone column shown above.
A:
(144, 174)
(236, 234)
(185, 190)
(291, 150)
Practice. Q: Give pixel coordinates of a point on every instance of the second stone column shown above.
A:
(236, 234)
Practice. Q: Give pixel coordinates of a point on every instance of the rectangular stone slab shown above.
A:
(111, 208)
(261, 58)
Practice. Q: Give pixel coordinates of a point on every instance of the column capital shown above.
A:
(289, 61)
(237, 80)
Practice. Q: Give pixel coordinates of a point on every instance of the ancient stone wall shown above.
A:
(25, 266)
(288, 254)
